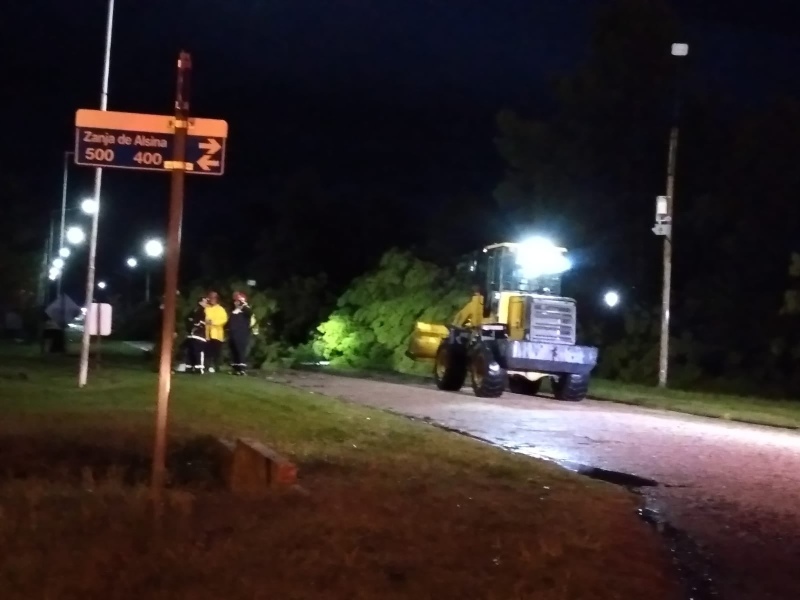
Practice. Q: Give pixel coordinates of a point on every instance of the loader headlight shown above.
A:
(540, 256)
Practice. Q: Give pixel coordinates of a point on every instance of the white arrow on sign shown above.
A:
(212, 146)
(206, 163)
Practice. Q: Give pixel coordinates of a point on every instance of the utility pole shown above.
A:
(178, 167)
(666, 289)
(61, 243)
(664, 225)
(83, 372)
(49, 250)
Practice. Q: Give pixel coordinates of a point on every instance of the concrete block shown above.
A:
(224, 458)
(255, 468)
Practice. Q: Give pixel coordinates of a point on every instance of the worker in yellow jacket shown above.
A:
(216, 319)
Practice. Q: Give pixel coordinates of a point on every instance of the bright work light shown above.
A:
(539, 256)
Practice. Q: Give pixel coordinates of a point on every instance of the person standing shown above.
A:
(240, 325)
(196, 338)
(216, 319)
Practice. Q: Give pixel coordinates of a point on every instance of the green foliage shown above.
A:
(791, 298)
(784, 348)
(21, 246)
(632, 353)
(302, 303)
(375, 317)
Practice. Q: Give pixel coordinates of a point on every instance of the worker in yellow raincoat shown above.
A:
(216, 319)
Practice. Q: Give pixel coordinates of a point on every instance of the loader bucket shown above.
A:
(425, 341)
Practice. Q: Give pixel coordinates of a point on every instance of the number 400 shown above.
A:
(148, 158)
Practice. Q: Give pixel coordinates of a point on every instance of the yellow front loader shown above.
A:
(513, 333)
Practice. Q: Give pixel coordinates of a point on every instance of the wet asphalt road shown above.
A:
(735, 489)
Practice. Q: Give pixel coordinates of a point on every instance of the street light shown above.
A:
(680, 49)
(132, 262)
(101, 285)
(154, 248)
(665, 223)
(611, 298)
(89, 206)
(54, 273)
(64, 252)
(75, 235)
(83, 369)
(58, 263)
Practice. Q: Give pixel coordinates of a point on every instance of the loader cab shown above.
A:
(532, 267)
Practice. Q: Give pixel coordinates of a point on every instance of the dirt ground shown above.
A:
(733, 488)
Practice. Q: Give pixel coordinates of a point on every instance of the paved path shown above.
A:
(734, 488)
(143, 346)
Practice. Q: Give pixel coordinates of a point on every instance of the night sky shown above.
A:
(397, 94)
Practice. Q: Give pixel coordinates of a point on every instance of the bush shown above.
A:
(375, 317)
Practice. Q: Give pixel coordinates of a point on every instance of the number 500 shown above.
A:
(100, 154)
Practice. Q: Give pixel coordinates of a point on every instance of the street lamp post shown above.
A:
(64, 199)
(61, 234)
(132, 263)
(664, 216)
(83, 372)
(152, 249)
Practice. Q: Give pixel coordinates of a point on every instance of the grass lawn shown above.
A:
(395, 509)
(760, 411)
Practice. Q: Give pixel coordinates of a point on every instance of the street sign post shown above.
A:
(175, 144)
(99, 319)
(63, 310)
(142, 142)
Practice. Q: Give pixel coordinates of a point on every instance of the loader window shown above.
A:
(504, 274)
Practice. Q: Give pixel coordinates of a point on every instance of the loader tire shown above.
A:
(524, 386)
(450, 367)
(488, 378)
(571, 387)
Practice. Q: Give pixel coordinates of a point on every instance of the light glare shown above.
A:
(680, 49)
(64, 252)
(101, 285)
(611, 299)
(75, 235)
(132, 262)
(89, 206)
(154, 248)
(539, 256)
